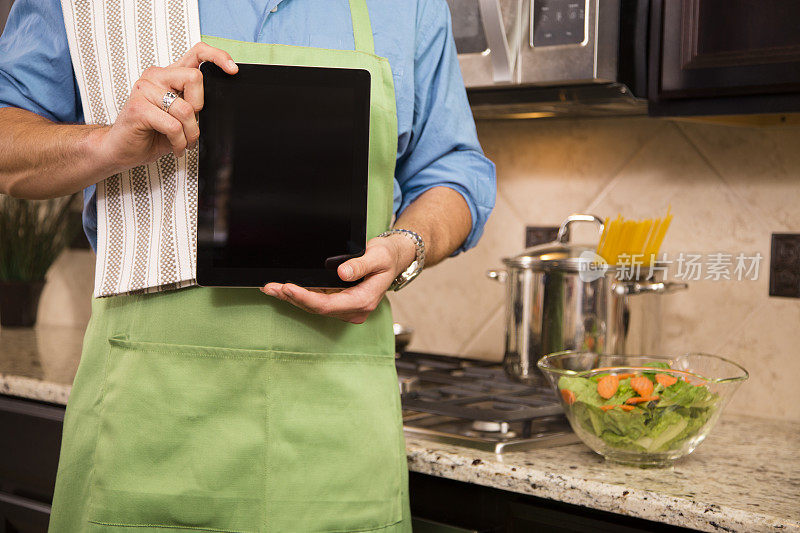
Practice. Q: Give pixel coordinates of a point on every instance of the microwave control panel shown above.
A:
(558, 22)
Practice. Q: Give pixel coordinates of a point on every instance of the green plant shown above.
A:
(32, 234)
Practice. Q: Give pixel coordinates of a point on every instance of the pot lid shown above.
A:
(554, 255)
(559, 254)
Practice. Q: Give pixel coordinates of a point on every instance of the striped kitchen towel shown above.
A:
(146, 216)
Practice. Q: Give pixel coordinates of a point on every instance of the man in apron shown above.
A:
(221, 409)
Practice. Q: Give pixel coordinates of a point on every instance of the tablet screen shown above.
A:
(282, 186)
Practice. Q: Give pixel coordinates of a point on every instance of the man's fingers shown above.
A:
(309, 301)
(183, 111)
(180, 109)
(188, 81)
(204, 52)
(352, 304)
(375, 259)
(285, 294)
(166, 124)
(334, 304)
(323, 304)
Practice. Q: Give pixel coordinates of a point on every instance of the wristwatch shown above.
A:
(415, 267)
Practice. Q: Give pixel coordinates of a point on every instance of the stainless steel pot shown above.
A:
(558, 299)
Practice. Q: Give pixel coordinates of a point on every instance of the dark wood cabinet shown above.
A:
(479, 509)
(30, 442)
(724, 57)
(22, 515)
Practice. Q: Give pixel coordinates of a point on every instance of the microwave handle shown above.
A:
(496, 39)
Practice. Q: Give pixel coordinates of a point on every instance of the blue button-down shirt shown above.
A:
(436, 139)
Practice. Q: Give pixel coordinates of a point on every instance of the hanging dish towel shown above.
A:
(146, 216)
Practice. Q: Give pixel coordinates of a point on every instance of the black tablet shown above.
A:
(282, 178)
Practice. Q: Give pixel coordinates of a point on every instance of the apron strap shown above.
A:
(362, 28)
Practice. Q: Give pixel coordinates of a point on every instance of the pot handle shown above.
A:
(562, 231)
(649, 287)
(497, 275)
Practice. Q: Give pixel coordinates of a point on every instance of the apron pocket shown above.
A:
(336, 447)
(182, 438)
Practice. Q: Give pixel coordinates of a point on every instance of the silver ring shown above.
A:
(169, 97)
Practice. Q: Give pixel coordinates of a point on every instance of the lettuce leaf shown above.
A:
(589, 416)
(585, 390)
(621, 442)
(664, 429)
(629, 424)
(687, 395)
(655, 364)
(624, 392)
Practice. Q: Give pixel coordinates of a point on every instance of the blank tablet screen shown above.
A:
(283, 174)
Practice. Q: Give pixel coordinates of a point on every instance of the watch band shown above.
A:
(415, 267)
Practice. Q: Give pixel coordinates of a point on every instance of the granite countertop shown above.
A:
(39, 363)
(744, 478)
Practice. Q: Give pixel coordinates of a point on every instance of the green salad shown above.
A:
(646, 412)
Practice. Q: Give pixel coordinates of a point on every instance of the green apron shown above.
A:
(220, 409)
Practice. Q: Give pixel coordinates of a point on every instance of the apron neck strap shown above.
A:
(362, 29)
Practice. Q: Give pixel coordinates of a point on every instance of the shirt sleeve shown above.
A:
(444, 148)
(35, 66)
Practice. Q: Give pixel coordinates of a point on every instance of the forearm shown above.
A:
(442, 217)
(43, 159)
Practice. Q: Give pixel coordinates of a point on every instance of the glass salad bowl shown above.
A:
(642, 410)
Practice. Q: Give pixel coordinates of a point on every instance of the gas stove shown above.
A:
(474, 404)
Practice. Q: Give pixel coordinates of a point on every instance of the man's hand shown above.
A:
(384, 260)
(143, 131)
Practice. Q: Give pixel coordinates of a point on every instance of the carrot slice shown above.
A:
(608, 407)
(568, 395)
(626, 407)
(608, 386)
(625, 376)
(642, 385)
(666, 379)
(640, 399)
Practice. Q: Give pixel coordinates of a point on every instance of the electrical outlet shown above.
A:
(541, 234)
(784, 265)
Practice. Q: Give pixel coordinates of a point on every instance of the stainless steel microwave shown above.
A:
(563, 55)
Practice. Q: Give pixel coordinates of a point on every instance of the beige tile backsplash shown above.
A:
(729, 189)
